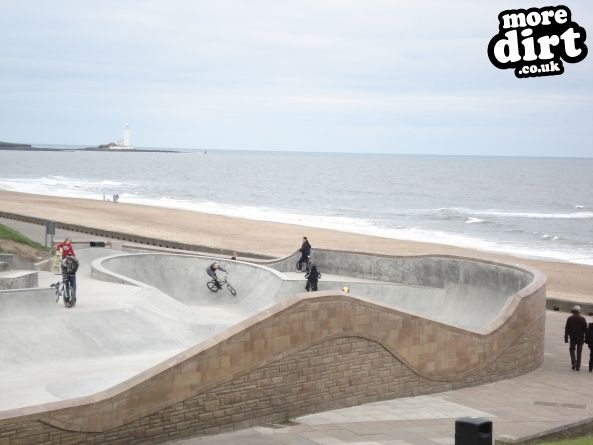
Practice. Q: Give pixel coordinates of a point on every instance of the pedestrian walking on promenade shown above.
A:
(589, 341)
(575, 329)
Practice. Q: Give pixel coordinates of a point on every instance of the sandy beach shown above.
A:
(565, 280)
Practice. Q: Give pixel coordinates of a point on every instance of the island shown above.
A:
(24, 147)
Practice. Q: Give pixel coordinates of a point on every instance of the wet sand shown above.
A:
(565, 280)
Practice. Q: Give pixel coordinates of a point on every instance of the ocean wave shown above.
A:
(57, 185)
(472, 220)
(367, 227)
(538, 215)
(128, 194)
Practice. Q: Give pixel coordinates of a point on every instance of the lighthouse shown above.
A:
(124, 144)
(126, 141)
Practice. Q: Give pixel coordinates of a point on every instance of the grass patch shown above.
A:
(7, 233)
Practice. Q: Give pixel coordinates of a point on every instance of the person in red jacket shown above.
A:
(66, 248)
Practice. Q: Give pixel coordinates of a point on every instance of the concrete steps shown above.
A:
(3, 266)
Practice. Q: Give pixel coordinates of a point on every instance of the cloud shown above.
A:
(306, 67)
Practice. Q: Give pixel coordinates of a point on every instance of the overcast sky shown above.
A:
(320, 75)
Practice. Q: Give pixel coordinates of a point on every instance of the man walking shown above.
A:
(575, 329)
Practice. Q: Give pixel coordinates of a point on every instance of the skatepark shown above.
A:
(147, 339)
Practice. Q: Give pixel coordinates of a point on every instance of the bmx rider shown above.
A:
(211, 271)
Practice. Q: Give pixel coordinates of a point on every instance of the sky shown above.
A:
(310, 75)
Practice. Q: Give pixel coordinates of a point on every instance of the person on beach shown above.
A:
(66, 248)
(575, 329)
(69, 268)
(305, 252)
(312, 277)
(211, 271)
(589, 341)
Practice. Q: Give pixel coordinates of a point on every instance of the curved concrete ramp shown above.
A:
(159, 352)
(184, 278)
(453, 291)
(115, 332)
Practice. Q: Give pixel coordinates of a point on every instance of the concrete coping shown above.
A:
(538, 279)
(99, 265)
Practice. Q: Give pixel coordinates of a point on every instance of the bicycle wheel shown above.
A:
(306, 267)
(212, 286)
(56, 287)
(231, 289)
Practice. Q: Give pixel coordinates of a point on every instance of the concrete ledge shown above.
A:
(18, 279)
(562, 305)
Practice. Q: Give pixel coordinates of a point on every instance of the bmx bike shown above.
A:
(222, 282)
(64, 289)
(304, 266)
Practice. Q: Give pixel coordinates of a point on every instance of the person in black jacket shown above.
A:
(312, 277)
(305, 252)
(211, 271)
(589, 341)
(575, 329)
(69, 267)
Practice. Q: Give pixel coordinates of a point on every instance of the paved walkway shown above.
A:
(550, 397)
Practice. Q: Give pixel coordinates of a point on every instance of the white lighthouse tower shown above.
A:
(126, 136)
(124, 144)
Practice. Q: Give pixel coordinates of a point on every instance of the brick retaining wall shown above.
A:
(302, 356)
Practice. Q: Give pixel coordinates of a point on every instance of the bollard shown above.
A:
(473, 431)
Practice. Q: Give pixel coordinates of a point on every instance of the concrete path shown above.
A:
(551, 397)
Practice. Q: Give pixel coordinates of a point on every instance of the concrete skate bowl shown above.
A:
(304, 353)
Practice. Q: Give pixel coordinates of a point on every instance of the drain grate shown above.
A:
(561, 405)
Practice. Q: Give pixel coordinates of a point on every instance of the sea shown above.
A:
(528, 207)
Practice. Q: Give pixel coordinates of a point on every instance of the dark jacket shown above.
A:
(589, 336)
(69, 266)
(576, 325)
(306, 248)
(313, 274)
